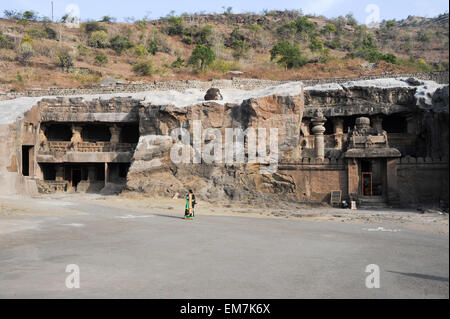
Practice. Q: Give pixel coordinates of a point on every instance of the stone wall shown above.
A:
(423, 181)
(236, 83)
(315, 180)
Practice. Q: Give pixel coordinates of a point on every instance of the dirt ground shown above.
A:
(376, 219)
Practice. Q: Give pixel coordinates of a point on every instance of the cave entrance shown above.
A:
(76, 177)
(27, 160)
(96, 133)
(373, 177)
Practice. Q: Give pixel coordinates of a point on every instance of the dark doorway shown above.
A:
(95, 133)
(26, 150)
(129, 134)
(372, 177)
(395, 124)
(76, 176)
(58, 132)
(48, 171)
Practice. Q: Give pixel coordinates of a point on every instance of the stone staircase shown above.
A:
(372, 202)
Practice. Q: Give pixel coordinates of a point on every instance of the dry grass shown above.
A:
(41, 71)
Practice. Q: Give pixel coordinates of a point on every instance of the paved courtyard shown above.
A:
(124, 251)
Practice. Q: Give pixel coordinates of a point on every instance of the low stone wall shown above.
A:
(236, 83)
(423, 181)
(315, 179)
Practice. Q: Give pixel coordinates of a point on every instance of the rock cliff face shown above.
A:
(154, 171)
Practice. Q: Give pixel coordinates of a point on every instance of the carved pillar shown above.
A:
(42, 136)
(377, 123)
(338, 125)
(106, 173)
(76, 134)
(318, 130)
(91, 174)
(115, 133)
(59, 173)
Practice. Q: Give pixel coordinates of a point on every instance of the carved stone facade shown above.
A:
(364, 139)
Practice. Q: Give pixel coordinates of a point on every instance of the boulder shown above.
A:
(213, 94)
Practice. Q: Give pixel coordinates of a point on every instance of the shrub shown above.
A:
(287, 55)
(25, 52)
(107, 19)
(101, 59)
(27, 38)
(204, 35)
(152, 47)
(390, 24)
(140, 50)
(64, 60)
(187, 39)
(98, 39)
(119, 44)
(304, 25)
(286, 31)
(240, 49)
(202, 56)
(223, 66)
(175, 26)
(316, 45)
(50, 33)
(144, 68)
(90, 27)
(423, 36)
(4, 42)
(178, 63)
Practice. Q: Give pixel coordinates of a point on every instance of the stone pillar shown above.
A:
(115, 134)
(59, 173)
(318, 130)
(106, 173)
(377, 123)
(91, 174)
(391, 181)
(76, 134)
(352, 177)
(42, 136)
(338, 125)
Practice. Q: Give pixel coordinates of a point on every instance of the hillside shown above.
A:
(40, 54)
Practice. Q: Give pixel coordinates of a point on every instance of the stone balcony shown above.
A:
(96, 152)
(63, 147)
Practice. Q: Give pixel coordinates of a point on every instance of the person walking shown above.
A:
(190, 203)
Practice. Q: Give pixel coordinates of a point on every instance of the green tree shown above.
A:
(204, 35)
(176, 25)
(119, 44)
(64, 60)
(304, 25)
(30, 15)
(202, 56)
(287, 55)
(316, 45)
(98, 39)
